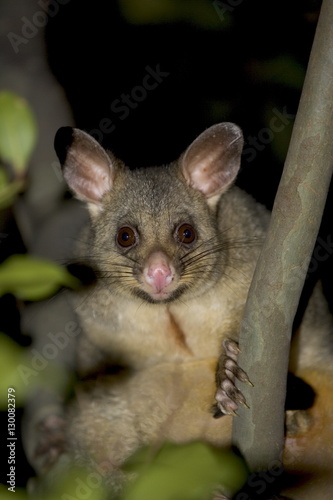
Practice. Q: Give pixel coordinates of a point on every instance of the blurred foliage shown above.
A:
(150, 12)
(282, 70)
(31, 278)
(18, 132)
(185, 472)
(193, 471)
(25, 276)
(18, 135)
(20, 494)
(26, 370)
(70, 482)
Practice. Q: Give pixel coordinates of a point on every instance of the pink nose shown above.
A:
(159, 277)
(158, 272)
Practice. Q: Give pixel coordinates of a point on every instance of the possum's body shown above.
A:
(171, 351)
(174, 249)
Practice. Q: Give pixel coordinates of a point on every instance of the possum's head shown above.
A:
(154, 230)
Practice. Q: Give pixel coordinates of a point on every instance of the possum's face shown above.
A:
(154, 231)
(155, 237)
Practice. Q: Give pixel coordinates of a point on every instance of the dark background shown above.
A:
(234, 61)
(227, 61)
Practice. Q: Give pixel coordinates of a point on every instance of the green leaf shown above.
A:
(185, 472)
(18, 131)
(30, 278)
(10, 357)
(8, 495)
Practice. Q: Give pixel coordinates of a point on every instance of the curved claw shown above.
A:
(228, 396)
(236, 371)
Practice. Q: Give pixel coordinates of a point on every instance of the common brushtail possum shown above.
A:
(168, 254)
(173, 250)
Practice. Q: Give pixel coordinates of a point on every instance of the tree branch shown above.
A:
(282, 267)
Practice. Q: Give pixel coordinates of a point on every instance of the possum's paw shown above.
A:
(52, 442)
(228, 397)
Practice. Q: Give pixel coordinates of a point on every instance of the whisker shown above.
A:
(200, 256)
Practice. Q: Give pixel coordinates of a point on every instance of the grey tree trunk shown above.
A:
(282, 267)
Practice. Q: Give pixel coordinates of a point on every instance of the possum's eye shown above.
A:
(185, 234)
(126, 237)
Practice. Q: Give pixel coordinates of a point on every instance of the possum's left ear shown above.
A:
(211, 163)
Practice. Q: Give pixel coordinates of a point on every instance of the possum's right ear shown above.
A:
(86, 166)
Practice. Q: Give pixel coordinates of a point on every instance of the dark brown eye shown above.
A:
(126, 237)
(185, 234)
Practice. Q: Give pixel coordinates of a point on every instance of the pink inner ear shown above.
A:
(88, 169)
(211, 181)
(93, 182)
(212, 161)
